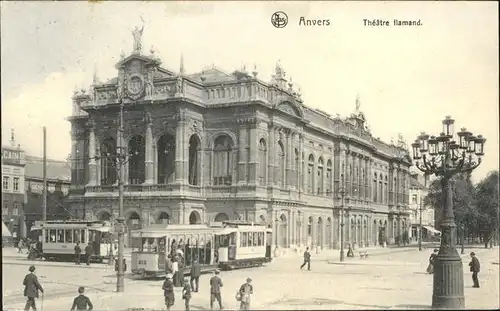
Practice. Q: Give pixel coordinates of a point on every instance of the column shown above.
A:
(370, 180)
(304, 162)
(242, 154)
(367, 179)
(289, 158)
(92, 161)
(179, 152)
(361, 187)
(254, 152)
(121, 148)
(271, 150)
(149, 155)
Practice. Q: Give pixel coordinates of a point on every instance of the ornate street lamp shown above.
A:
(342, 193)
(119, 160)
(444, 157)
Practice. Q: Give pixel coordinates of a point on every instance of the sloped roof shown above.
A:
(55, 169)
(213, 75)
(415, 184)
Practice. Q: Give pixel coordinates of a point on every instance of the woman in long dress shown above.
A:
(432, 259)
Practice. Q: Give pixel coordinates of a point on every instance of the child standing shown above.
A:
(82, 302)
(186, 293)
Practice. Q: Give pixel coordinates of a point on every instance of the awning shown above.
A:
(227, 231)
(432, 229)
(5, 231)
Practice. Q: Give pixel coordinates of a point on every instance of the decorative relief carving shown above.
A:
(106, 94)
(246, 120)
(135, 86)
(163, 89)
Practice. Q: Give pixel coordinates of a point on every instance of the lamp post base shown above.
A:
(448, 282)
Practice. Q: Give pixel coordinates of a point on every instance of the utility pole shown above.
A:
(120, 282)
(44, 207)
(420, 224)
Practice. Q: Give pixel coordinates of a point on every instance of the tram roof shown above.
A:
(158, 231)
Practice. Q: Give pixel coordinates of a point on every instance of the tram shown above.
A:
(227, 245)
(59, 238)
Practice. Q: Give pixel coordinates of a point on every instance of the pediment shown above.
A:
(290, 108)
(135, 59)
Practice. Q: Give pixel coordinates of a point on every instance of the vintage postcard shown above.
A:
(249, 155)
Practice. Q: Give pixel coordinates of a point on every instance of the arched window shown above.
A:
(280, 164)
(166, 159)
(108, 169)
(194, 160)
(329, 181)
(374, 190)
(223, 161)
(349, 180)
(386, 191)
(310, 175)
(262, 162)
(328, 231)
(381, 191)
(320, 179)
(137, 157)
(363, 183)
(297, 170)
(395, 191)
(356, 181)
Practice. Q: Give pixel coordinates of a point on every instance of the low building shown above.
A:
(13, 194)
(58, 183)
(418, 191)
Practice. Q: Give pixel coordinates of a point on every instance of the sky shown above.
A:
(408, 78)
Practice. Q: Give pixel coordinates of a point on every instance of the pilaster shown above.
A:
(254, 152)
(179, 152)
(242, 152)
(271, 154)
(289, 158)
(92, 166)
(149, 155)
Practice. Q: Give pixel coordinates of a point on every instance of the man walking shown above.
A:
(31, 288)
(215, 294)
(168, 291)
(78, 253)
(88, 253)
(474, 268)
(246, 290)
(82, 302)
(195, 275)
(307, 259)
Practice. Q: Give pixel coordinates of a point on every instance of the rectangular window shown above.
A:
(15, 184)
(5, 208)
(52, 234)
(76, 235)
(414, 199)
(69, 235)
(15, 209)
(250, 239)
(47, 234)
(256, 239)
(5, 182)
(60, 236)
(82, 235)
(244, 238)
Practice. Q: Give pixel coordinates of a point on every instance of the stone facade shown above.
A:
(212, 146)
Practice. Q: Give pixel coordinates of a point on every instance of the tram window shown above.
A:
(244, 238)
(69, 235)
(76, 235)
(223, 241)
(46, 232)
(60, 236)
(256, 239)
(82, 236)
(250, 239)
(232, 238)
(52, 235)
(261, 237)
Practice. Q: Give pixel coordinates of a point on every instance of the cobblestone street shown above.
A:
(395, 279)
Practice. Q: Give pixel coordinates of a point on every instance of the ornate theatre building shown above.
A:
(213, 146)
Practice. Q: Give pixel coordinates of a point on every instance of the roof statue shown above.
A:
(95, 79)
(137, 33)
(280, 73)
(181, 69)
(12, 138)
(255, 72)
(401, 141)
(358, 103)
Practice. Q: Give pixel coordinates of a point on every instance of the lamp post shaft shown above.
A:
(120, 282)
(448, 289)
(342, 229)
(420, 226)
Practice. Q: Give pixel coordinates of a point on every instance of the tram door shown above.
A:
(162, 253)
(269, 242)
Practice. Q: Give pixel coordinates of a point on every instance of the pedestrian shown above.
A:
(350, 251)
(78, 253)
(180, 272)
(82, 302)
(186, 294)
(168, 264)
(246, 290)
(175, 270)
(195, 275)
(474, 268)
(432, 261)
(20, 246)
(31, 288)
(88, 253)
(215, 293)
(307, 259)
(168, 291)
